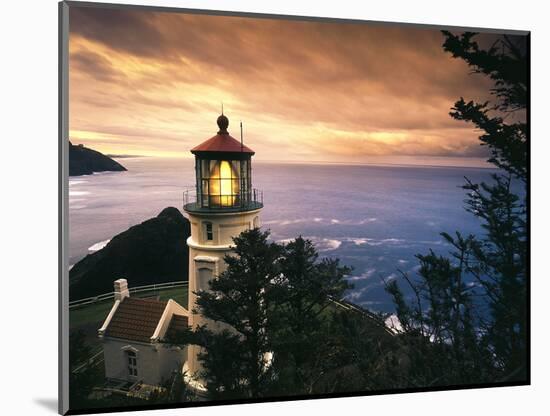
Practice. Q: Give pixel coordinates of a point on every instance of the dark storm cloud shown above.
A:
(125, 30)
(95, 65)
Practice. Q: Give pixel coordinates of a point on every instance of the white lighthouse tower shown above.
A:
(225, 205)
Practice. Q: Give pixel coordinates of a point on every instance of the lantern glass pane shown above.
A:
(223, 183)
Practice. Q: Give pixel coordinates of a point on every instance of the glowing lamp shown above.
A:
(223, 187)
(223, 173)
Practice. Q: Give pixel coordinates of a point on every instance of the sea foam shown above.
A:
(98, 246)
(78, 193)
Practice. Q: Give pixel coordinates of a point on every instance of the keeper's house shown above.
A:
(132, 336)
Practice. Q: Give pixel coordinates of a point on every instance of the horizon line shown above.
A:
(484, 164)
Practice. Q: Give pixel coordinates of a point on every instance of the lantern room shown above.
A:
(223, 174)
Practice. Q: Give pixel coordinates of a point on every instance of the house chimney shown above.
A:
(121, 289)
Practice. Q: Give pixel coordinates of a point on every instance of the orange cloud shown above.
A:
(152, 83)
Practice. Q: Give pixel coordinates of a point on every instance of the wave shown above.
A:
(368, 273)
(326, 244)
(285, 240)
(78, 193)
(433, 242)
(98, 246)
(320, 243)
(393, 323)
(391, 277)
(353, 222)
(392, 240)
(355, 295)
(76, 182)
(103, 173)
(286, 222)
(359, 241)
(318, 220)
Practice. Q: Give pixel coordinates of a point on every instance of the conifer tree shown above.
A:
(269, 306)
(304, 289)
(478, 332)
(499, 257)
(240, 299)
(81, 382)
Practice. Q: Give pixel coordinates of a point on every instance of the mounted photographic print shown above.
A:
(261, 208)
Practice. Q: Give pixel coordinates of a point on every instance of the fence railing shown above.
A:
(95, 359)
(168, 285)
(366, 313)
(136, 289)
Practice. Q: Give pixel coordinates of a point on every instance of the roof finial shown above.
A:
(223, 123)
(222, 108)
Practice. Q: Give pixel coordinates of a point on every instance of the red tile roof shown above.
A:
(222, 143)
(136, 319)
(177, 324)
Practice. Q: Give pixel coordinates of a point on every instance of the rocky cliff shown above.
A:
(85, 161)
(154, 251)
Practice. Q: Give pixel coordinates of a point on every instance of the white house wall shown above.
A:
(155, 362)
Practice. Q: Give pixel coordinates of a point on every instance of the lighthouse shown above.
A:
(223, 205)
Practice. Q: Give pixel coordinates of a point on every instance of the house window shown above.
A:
(209, 232)
(132, 363)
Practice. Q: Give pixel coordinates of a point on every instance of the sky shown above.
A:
(152, 83)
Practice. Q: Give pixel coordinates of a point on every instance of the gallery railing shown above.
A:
(243, 201)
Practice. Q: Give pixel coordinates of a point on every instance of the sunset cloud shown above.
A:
(151, 83)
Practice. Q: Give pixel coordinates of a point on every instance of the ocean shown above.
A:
(373, 218)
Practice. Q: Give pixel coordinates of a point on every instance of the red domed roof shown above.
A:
(222, 142)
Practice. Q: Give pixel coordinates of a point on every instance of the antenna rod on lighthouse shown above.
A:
(241, 136)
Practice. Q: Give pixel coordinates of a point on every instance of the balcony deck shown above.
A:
(193, 207)
(251, 202)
